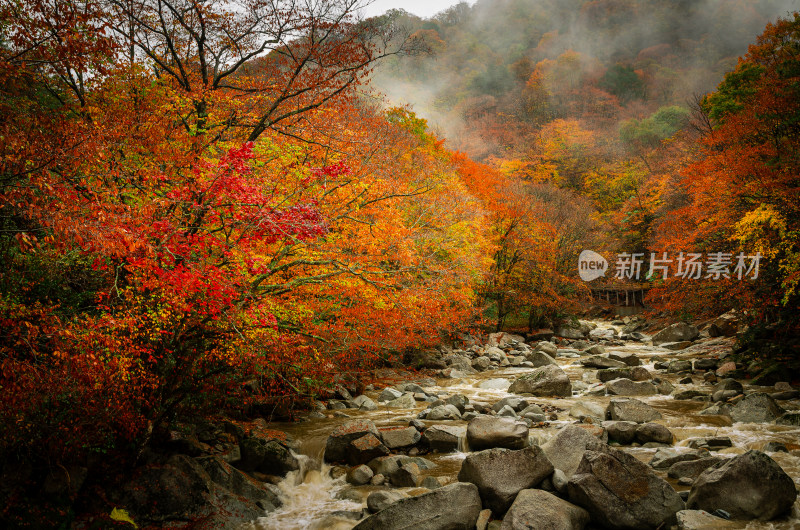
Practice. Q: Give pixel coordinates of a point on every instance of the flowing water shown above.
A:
(313, 500)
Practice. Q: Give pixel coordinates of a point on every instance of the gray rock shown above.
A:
(623, 432)
(548, 380)
(653, 433)
(506, 412)
(600, 362)
(515, 402)
(386, 465)
(547, 347)
(665, 458)
(702, 520)
(712, 443)
(603, 334)
(588, 409)
(362, 450)
(406, 401)
(692, 468)
(748, 486)
(431, 483)
(363, 402)
(539, 358)
(626, 387)
(443, 438)
(402, 437)
(459, 401)
(636, 373)
(688, 393)
(443, 412)
(359, 475)
(266, 456)
(498, 383)
(481, 364)
(454, 507)
(677, 332)
(540, 510)
(628, 358)
(621, 492)
(487, 432)
(629, 409)
(756, 408)
(501, 474)
(406, 476)
(566, 448)
(378, 500)
(679, 365)
(790, 418)
(594, 350)
(239, 484)
(705, 364)
(389, 394)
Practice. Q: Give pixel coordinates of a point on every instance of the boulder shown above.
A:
(565, 449)
(501, 474)
(536, 509)
(400, 437)
(443, 412)
(619, 491)
(600, 362)
(603, 334)
(481, 364)
(756, 408)
(459, 401)
(630, 359)
(547, 347)
(692, 468)
(406, 401)
(666, 457)
(359, 475)
(515, 402)
(486, 432)
(626, 387)
(588, 409)
(679, 365)
(594, 350)
(159, 495)
(653, 432)
(636, 373)
(539, 358)
(406, 476)
(378, 500)
(363, 402)
(725, 325)
(362, 450)
(266, 456)
(548, 380)
(455, 507)
(442, 438)
(748, 486)
(570, 332)
(629, 409)
(623, 432)
(239, 484)
(388, 394)
(386, 465)
(677, 332)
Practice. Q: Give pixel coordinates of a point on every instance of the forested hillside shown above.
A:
(604, 104)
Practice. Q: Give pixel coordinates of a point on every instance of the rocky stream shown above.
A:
(602, 427)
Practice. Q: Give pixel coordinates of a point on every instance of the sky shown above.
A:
(421, 8)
